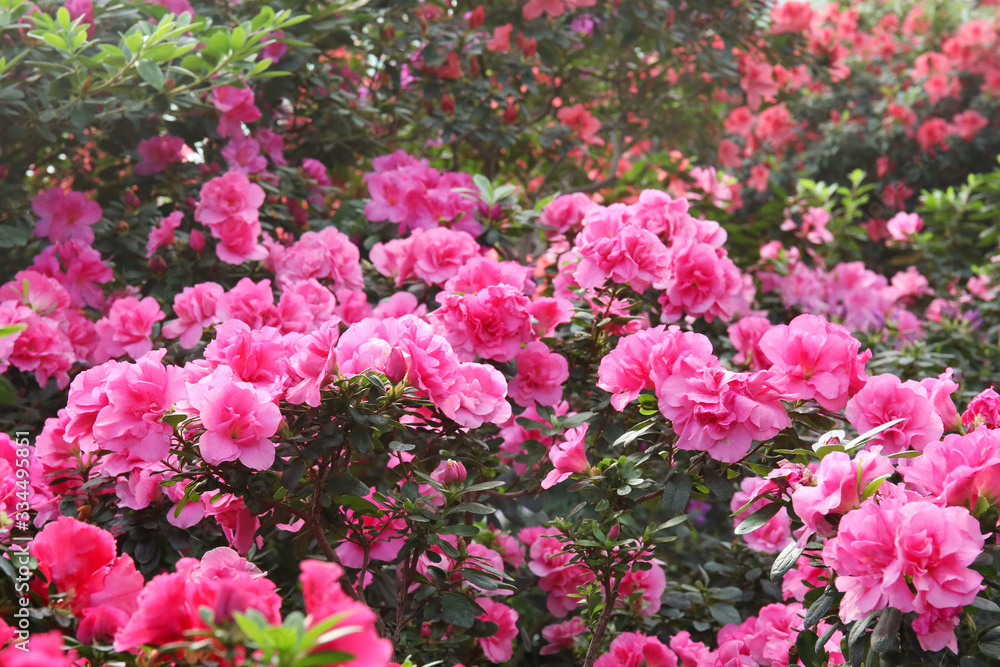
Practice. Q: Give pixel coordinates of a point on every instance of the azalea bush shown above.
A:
(423, 333)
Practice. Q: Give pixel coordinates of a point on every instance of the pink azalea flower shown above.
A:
(634, 648)
(239, 420)
(959, 470)
(163, 234)
(568, 457)
(566, 212)
(127, 406)
(324, 597)
(837, 488)
(195, 310)
(326, 254)
(313, 364)
(477, 395)
(229, 205)
(562, 636)
(791, 17)
(746, 336)
(817, 360)
(701, 281)
(65, 215)
(79, 269)
(237, 107)
(128, 328)
(499, 647)
(612, 249)
(983, 411)
(629, 368)
(903, 226)
(540, 376)
(242, 154)
(886, 398)
(492, 323)
(721, 412)
(757, 81)
(158, 153)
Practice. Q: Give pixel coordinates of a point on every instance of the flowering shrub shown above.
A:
(503, 392)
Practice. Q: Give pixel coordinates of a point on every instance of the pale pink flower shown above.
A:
(886, 398)
(195, 308)
(817, 360)
(540, 375)
(239, 420)
(568, 457)
(492, 323)
(478, 395)
(500, 646)
(237, 107)
(562, 636)
(721, 412)
(64, 216)
(837, 488)
(128, 328)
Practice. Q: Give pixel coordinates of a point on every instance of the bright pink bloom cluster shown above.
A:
(906, 553)
(408, 192)
(433, 256)
(229, 206)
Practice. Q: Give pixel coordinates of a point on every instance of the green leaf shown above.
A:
(721, 488)
(8, 394)
(151, 74)
(670, 523)
(238, 38)
(634, 433)
(324, 658)
(55, 40)
(459, 610)
(820, 608)
(758, 518)
(473, 508)
(676, 493)
(873, 486)
(12, 329)
(886, 630)
(460, 529)
(480, 579)
(725, 613)
(871, 433)
(483, 183)
(785, 561)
